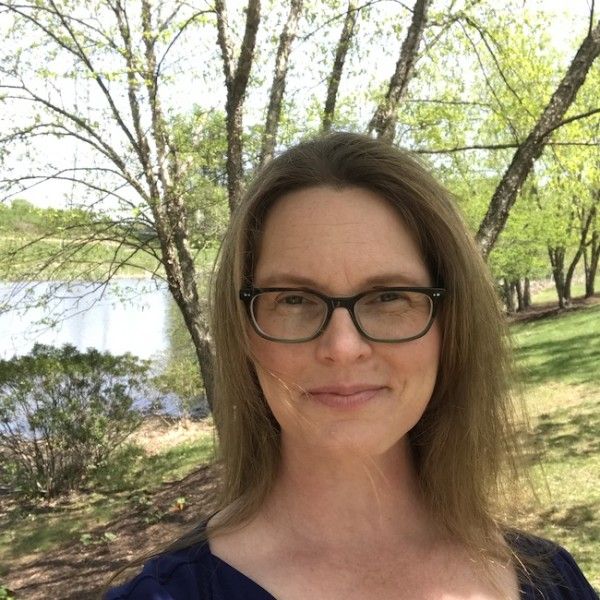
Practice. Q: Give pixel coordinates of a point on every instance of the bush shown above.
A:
(5, 593)
(62, 413)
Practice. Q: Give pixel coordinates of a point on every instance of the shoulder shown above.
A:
(557, 577)
(183, 574)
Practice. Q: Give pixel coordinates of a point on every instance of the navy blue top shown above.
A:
(196, 574)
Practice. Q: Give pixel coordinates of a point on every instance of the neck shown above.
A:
(341, 499)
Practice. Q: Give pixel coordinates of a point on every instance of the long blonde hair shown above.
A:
(464, 438)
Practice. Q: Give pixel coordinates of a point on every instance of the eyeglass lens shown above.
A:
(383, 314)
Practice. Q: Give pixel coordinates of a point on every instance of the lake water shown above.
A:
(128, 315)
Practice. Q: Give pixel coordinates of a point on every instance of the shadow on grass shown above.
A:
(130, 468)
(569, 434)
(578, 523)
(574, 358)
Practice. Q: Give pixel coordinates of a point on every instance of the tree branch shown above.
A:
(385, 117)
(286, 39)
(506, 193)
(341, 51)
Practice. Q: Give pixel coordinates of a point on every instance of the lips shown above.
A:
(345, 396)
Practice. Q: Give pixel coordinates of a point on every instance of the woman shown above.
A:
(363, 410)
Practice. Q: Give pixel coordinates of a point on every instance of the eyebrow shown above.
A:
(381, 279)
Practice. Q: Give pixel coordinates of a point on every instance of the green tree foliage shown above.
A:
(22, 218)
(62, 413)
(166, 109)
(179, 374)
(202, 143)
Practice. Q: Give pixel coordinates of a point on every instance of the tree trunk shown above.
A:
(518, 288)
(557, 260)
(198, 329)
(278, 86)
(338, 64)
(236, 82)
(509, 299)
(385, 117)
(585, 227)
(526, 294)
(506, 193)
(592, 265)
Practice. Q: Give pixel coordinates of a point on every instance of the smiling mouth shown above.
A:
(345, 399)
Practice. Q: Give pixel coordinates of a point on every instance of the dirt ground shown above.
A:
(550, 309)
(80, 572)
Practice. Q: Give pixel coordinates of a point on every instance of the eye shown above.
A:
(293, 299)
(296, 299)
(389, 296)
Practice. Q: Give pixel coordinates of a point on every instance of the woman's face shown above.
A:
(341, 391)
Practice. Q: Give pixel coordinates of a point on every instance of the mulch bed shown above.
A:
(80, 572)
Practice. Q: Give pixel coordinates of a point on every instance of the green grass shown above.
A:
(122, 485)
(559, 358)
(563, 348)
(548, 294)
(19, 261)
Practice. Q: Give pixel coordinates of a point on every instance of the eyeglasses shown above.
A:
(392, 314)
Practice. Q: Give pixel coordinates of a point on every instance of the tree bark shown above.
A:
(341, 51)
(526, 293)
(385, 117)
(591, 267)
(236, 82)
(278, 86)
(171, 221)
(557, 260)
(506, 193)
(509, 298)
(585, 227)
(520, 300)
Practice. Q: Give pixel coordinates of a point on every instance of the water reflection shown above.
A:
(128, 315)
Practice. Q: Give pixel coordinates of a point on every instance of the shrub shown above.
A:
(5, 593)
(62, 413)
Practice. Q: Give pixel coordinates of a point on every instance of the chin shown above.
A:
(352, 439)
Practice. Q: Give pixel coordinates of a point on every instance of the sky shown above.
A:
(188, 89)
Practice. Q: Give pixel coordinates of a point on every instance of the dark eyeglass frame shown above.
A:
(248, 294)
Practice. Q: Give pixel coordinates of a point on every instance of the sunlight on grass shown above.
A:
(36, 529)
(548, 294)
(559, 358)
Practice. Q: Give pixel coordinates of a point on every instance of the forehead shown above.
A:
(338, 239)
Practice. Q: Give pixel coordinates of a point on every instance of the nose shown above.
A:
(341, 341)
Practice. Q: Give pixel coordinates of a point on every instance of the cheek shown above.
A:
(417, 363)
(269, 357)
(277, 369)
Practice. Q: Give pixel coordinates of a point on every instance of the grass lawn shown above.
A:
(66, 259)
(548, 294)
(559, 359)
